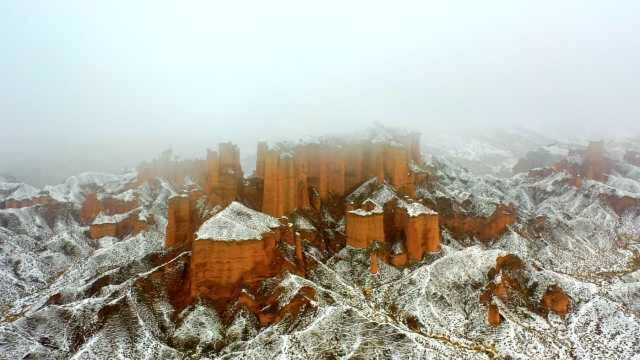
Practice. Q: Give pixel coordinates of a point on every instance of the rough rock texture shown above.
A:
(120, 226)
(556, 300)
(591, 163)
(235, 247)
(107, 205)
(182, 222)
(483, 228)
(364, 226)
(421, 233)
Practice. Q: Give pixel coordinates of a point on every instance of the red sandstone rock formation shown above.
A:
(93, 206)
(173, 170)
(37, 200)
(182, 221)
(493, 315)
(556, 300)
(365, 225)
(591, 164)
(285, 186)
(236, 246)
(421, 231)
(620, 204)
(482, 228)
(223, 174)
(120, 225)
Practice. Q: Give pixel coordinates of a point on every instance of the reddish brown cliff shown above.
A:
(236, 247)
(223, 174)
(107, 205)
(365, 225)
(632, 157)
(482, 228)
(182, 221)
(591, 163)
(120, 225)
(556, 300)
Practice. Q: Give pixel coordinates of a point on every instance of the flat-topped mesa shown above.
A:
(223, 174)
(183, 220)
(420, 228)
(235, 247)
(410, 229)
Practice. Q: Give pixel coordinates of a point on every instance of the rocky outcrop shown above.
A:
(510, 282)
(270, 311)
(365, 225)
(182, 221)
(173, 170)
(620, 203)
(22, 203)
(236, 247)
(333, 167)
(462, 225)
(120, 225)
(556, 300)
(419, 227)
(223, 174)
(285, 186)
(591, 163)
(93, 206)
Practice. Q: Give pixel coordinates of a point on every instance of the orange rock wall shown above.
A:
(92, 206)
(556, 300)
(129, 226)
(484, 229)
(18, 204)
(285, 185)
(363, 230)
(182, 222)
(219, 268)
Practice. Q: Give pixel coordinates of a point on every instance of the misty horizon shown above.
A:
(99, 87)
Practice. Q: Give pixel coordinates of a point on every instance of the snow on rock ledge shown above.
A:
(237, 222)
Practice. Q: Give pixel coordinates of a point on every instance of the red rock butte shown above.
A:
(235, 226)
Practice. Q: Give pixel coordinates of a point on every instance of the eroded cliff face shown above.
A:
(509, 281)
(462, 225)
(223, 175)
(556, 300)
(591, 163)
(237, 248)
(120, 225)
(297, 177)
(363, 229)
(183, 221)
(18, 204)
(93, 206)
(405, 231)
(173, 170)
(219, 269)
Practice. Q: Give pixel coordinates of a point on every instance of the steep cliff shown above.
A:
(182, 221)
(235, 247)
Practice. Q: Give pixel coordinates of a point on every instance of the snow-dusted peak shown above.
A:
(237, 222)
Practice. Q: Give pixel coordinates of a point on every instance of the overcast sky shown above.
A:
(96, 85)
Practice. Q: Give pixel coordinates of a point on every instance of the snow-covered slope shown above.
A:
(64, 296)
